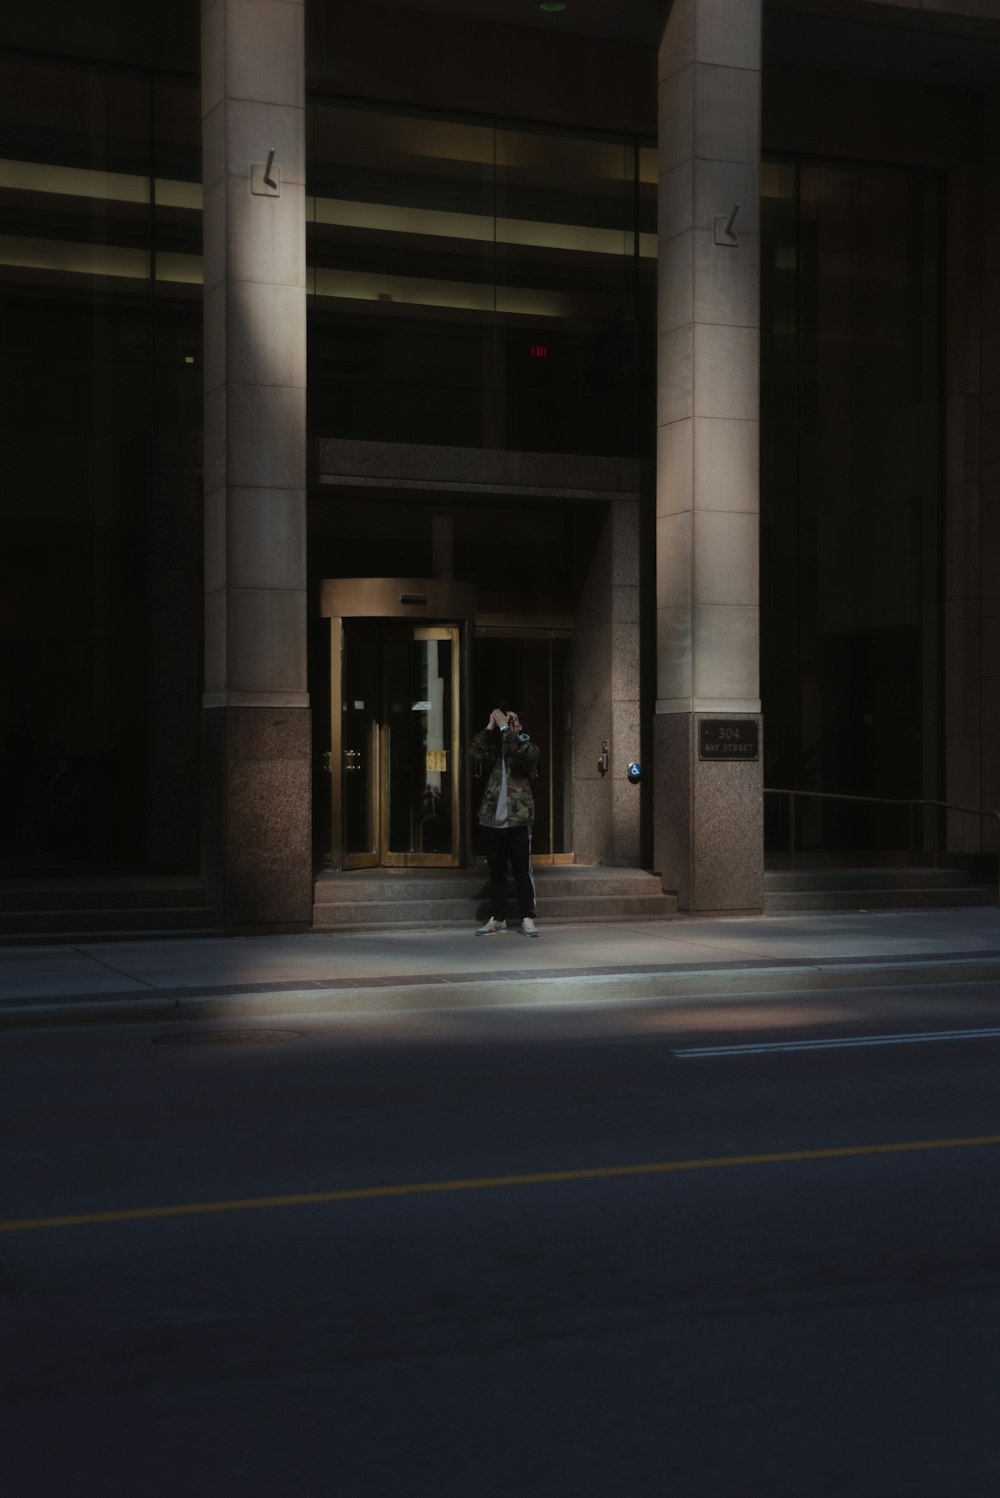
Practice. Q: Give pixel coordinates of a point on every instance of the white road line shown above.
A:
(845, 1042)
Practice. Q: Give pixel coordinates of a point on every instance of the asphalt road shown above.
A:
(722, 1324)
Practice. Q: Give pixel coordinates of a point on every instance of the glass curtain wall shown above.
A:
(100, 326)
(474, 286)
(851, 486)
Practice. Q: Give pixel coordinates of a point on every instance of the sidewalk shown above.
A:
(243, 977)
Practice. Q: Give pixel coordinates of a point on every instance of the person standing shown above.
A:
(506, 815)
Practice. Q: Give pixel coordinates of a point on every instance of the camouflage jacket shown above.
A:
(522, 757)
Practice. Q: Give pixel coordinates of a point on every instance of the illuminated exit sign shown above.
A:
(539, 351)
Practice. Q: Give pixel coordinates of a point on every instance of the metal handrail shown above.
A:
(908, 801)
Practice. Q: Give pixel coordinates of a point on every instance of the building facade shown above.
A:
(368, 362)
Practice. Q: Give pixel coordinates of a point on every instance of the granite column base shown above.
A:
(257, 817)
(708, 819)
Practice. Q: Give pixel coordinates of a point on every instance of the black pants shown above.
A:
(510, 845)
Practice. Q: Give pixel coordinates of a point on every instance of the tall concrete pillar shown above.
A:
(708, 820)
(256, 743)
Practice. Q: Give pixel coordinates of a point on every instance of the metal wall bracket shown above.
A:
(265, 180)
(725, 228)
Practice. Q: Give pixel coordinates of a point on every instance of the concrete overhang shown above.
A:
(467, 475)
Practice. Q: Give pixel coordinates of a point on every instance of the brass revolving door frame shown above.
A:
(443, 610)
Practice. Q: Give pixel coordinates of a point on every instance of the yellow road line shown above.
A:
(484, 1183)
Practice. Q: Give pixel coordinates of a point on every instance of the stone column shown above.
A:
(256, 763)
(708, 819)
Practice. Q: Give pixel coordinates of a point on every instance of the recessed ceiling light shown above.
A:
(552, 5)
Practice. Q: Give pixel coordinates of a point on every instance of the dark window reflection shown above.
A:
(850, 495)
(534, 672)
(100, 244)
(177, 247)
(473, 286)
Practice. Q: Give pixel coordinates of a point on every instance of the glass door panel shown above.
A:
(400, 744)
(360, 744)
(420, 746)
(533, 671)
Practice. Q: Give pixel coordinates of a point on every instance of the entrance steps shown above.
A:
(401, 899)
(871, 888)
(40, 912)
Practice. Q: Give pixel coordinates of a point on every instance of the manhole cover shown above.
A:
(229, 1037)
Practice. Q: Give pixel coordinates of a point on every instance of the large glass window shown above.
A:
(475, 286)
(100, 327)
(851, 482)
(177, 267)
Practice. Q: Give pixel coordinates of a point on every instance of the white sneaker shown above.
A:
(493, 927)
(528, 926)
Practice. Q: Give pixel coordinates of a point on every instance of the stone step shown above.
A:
(79, 938)
(776, 901)
(51, 925)
(558, 908)
(100, 894)
(407, 898)
(360, 890)
(793, 880)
